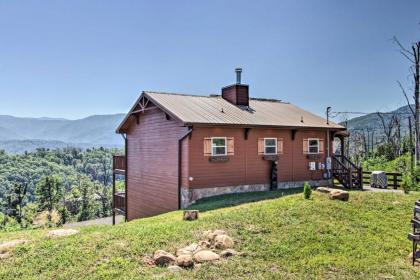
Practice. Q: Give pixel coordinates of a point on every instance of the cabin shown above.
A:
(180, 148)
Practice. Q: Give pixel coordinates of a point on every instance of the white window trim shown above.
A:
(212, 152)
(268, 154)
(309, 146)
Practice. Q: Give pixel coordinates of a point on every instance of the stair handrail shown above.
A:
(347, 160)
(347, 169)
(335, 158)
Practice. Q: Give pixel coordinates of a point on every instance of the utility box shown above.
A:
(378, 179)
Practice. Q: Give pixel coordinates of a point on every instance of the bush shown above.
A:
(47, 219)
(407, 183)
(307, 191)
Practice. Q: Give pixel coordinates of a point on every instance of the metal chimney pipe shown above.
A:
(238, 75)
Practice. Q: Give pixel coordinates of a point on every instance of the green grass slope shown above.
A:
(282, 237)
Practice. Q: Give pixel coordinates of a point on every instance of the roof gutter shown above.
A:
(188, 133)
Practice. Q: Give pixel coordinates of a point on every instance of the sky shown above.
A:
(72, 59)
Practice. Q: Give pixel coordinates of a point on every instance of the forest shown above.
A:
(54, 187)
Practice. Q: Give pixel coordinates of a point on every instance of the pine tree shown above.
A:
(49, 192)
(85, 189)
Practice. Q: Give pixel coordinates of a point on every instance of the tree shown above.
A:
(391, 130)
(49, 192)
(15, 200)
(413, 56)
(86, 198)
(104, 193)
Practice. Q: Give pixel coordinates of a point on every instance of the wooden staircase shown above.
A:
(347, 173)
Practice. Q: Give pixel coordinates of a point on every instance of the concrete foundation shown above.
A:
(190, 195)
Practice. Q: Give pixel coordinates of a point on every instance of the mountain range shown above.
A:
(18, 135)
(373, 123)
(26, 134)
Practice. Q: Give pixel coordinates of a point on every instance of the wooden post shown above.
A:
(361, 177)
(190, 215)
(395, 180)
(349, 176)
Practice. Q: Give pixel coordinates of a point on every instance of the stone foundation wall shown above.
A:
(190, 196)
(299, 184)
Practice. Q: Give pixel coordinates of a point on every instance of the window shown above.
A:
(313, 146)
(270, 146)
(218, 146)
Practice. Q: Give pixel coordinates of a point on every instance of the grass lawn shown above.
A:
(281, 236)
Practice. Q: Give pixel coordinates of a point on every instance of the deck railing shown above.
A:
(119, 202)
(118, 163)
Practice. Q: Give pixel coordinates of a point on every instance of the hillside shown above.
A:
(281, 238)
(373, 121)
(26, 134)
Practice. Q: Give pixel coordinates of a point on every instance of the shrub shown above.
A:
(307, 191)
(47, 219)
(407, 182)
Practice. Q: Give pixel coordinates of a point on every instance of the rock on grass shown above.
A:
(228, 253)
(174, 268)
(9, 245)
(62, 232)
(339, 195)
(205, 256)
(223, 242)
(188, 250)
(163, 258)
(212, 235)
(184, 261)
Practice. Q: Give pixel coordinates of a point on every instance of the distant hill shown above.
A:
(373, 122)
(26, 134)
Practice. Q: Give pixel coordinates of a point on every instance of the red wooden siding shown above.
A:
(184, 162)
(152, 155)
(246, 166)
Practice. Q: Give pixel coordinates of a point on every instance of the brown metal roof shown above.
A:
(214, 110)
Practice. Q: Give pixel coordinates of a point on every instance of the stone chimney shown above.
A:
(237, 94)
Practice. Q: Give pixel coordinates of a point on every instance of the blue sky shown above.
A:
(77, 58)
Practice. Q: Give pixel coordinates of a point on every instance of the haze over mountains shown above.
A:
(18, 135)
(26, 134)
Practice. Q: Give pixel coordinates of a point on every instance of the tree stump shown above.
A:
(190, 215)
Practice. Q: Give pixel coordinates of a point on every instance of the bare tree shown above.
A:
(392, 132)
(413, 56)
(388, 126)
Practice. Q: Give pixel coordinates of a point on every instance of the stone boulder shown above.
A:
(190, 215)
(62, 232)
(228, 253)
(339, 195)
(323, 190)
(9, 245)
(184, 261)
(212, 235)
(163, 258)
(206, 256)
(188, 250)
(223, 241)
(4, 255)
(174, 268)
(204, 244)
